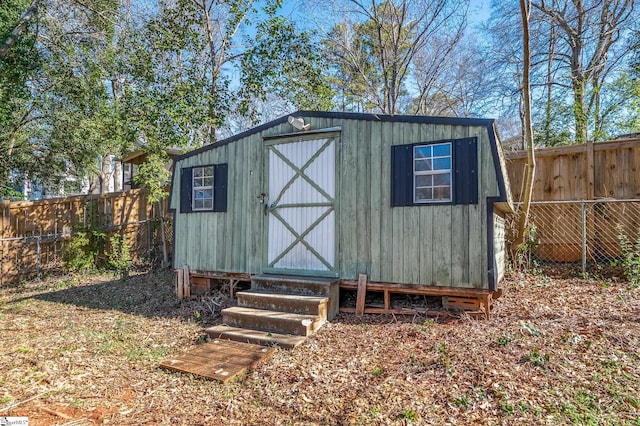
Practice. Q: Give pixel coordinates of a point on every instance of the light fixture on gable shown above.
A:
(298, 123)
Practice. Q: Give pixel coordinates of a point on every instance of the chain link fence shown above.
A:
(37, 255)
(572, 237)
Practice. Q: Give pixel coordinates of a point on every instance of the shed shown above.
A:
(411, 201)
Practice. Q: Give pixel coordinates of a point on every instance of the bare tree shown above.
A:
(392, 44)
(589, 29)
(523, 214)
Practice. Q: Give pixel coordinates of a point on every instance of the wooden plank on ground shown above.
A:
(219, 360)
(361, 295)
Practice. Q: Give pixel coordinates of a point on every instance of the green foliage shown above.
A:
(69, 110)
(16, 69)
(154, 176)
(86, 247)
(630, 260)
(285, 62)
(82, 251)
(120, 255)
(536, 358)
(524, 255)
(9, 193)
(553, 130)
(504, 340)
(444, 358)
(462, 402)
(409, 415)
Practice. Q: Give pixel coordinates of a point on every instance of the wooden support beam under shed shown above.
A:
(183, 283)
(362, 294)
(187, 282)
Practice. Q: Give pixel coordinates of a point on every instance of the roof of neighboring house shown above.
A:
(139, 155)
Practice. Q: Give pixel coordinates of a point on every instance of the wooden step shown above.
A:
(309, 286)
(218, 360)
(264, 338)
(294, 303)
(271, 321)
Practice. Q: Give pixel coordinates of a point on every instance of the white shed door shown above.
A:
(301, 228)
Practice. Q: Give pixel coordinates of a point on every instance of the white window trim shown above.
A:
(433, 173)
(195, 188)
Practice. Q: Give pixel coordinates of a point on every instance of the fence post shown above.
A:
(38, 258)
(584, 237)
(4, 221)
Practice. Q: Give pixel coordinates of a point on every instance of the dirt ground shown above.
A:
(85, 350)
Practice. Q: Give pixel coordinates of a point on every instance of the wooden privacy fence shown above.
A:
(580, 172)
(32, 233)
(584, 197)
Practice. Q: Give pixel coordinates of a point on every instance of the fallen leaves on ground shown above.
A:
(85, 350)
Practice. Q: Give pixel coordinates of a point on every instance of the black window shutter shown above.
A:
(401, 175)
(186, 182)
(220, 172)
(465, 159)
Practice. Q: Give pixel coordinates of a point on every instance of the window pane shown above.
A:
(442, 150)
(208, 171)
(197, 172)
(422, 152)
(208, 181)
(423, 165)
(207, 204)
(441, 193)
(424, 194)
(203, 194)
(442, 164)
(197, 204)
(442, 179)
(424, 180)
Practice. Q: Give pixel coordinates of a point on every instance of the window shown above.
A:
(432, 173)
(203, 188)
(202, 197)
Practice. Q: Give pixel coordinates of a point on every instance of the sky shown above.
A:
(479, 11)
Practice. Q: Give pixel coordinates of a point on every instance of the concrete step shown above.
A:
(294, 303)
(271, 321)
(309, 286)
(244, 335)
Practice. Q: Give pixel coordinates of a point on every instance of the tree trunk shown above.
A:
(105, 174)
(580, 109)
(4, 174)
(117, 176)
(547, 110)
(523, 214)
(22, 24)
(598, 134)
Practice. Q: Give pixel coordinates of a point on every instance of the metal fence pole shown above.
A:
(584, 237)
(38, 259)
(149, 240)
